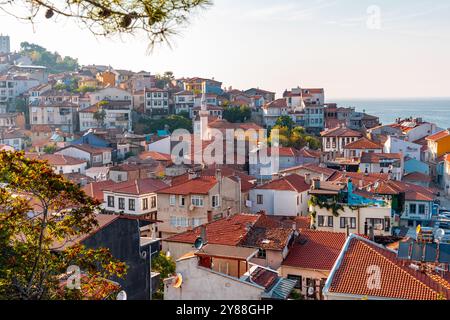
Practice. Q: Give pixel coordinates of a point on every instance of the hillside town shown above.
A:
(353, 209)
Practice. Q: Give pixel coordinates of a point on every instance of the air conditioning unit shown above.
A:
(378, 226)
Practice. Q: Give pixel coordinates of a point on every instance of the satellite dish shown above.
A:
(144, 254)
(122, 295)
(198, 244)
(178, 281)
(439, 234)
(191, 207)
(310, 291)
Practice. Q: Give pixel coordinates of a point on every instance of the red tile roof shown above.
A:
(279, 103)
(341, 132)
(417, 176)
(313, 168)
(438, 136)
(315, 250)
(137, 187)
(412, 192)
(201, 185)
(292, 182)
(351, 274)
(56, 159)
(95, 189)
(158, 156)
(370, 157)
(363, 143)
(229, 231)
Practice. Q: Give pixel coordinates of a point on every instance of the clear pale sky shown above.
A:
(280, 44)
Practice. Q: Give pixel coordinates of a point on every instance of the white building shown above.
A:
(392, 163)
(157, 102)
(287, 196)
(398, 145)
(61, 164)
(96, 157)
(136, 197)
(110, 94)
(273, 110)
(334, 140)
(117, 114)
(184, 101)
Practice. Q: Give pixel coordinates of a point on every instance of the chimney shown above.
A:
(361, 184)
(316, 184)
(294, 226)
(308, 178)
(218, 175)
(210, 216)
(371, 234)
(322, 177)
(203, 234)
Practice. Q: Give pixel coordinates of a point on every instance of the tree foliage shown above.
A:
(145, 125)
(163, 80)
(294, 136)
(237, 114)
(40, 212)
(166, 267)
(52, 60)
(157, 18)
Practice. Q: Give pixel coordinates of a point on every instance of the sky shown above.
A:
(353, 49)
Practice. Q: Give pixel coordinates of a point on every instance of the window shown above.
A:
(320, 220)
(387, 224)
(259, 199)
(121, 204)
(172, 200)
(262, 254)
(298, 284)
(344, 223)
(412, 208)
(182, 201)
(131, 205)
(144, 204)
(352, 223)
(197, 201)
(330, 221)
(421, 208)
(153, 204)
(215, 201)
(111, 201)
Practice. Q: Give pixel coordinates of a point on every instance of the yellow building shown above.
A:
(89, 82)
(438, 145)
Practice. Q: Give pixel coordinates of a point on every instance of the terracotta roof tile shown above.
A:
(137, 187)
(398, 281)
(228, 231)
(201, 185)
(315, 250)
(363, 143)
(438, 136)
(341, 132)
(292, 182)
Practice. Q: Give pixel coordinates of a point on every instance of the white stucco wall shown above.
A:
(204, 284)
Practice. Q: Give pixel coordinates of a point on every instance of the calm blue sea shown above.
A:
(435, 110)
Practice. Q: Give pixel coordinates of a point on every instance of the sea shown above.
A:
(435, 110)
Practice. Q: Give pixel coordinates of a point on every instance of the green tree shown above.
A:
(33, 251)
(237, 114)
(53, 61)
(145, 125)
(157, 18)
(50, 149)
(166, 267)
(294, 136)
(164, 80)
(100, 116)
(285, 121)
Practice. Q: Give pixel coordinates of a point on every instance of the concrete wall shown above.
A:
(203, 284)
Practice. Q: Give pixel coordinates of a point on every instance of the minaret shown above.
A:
(204, 119)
